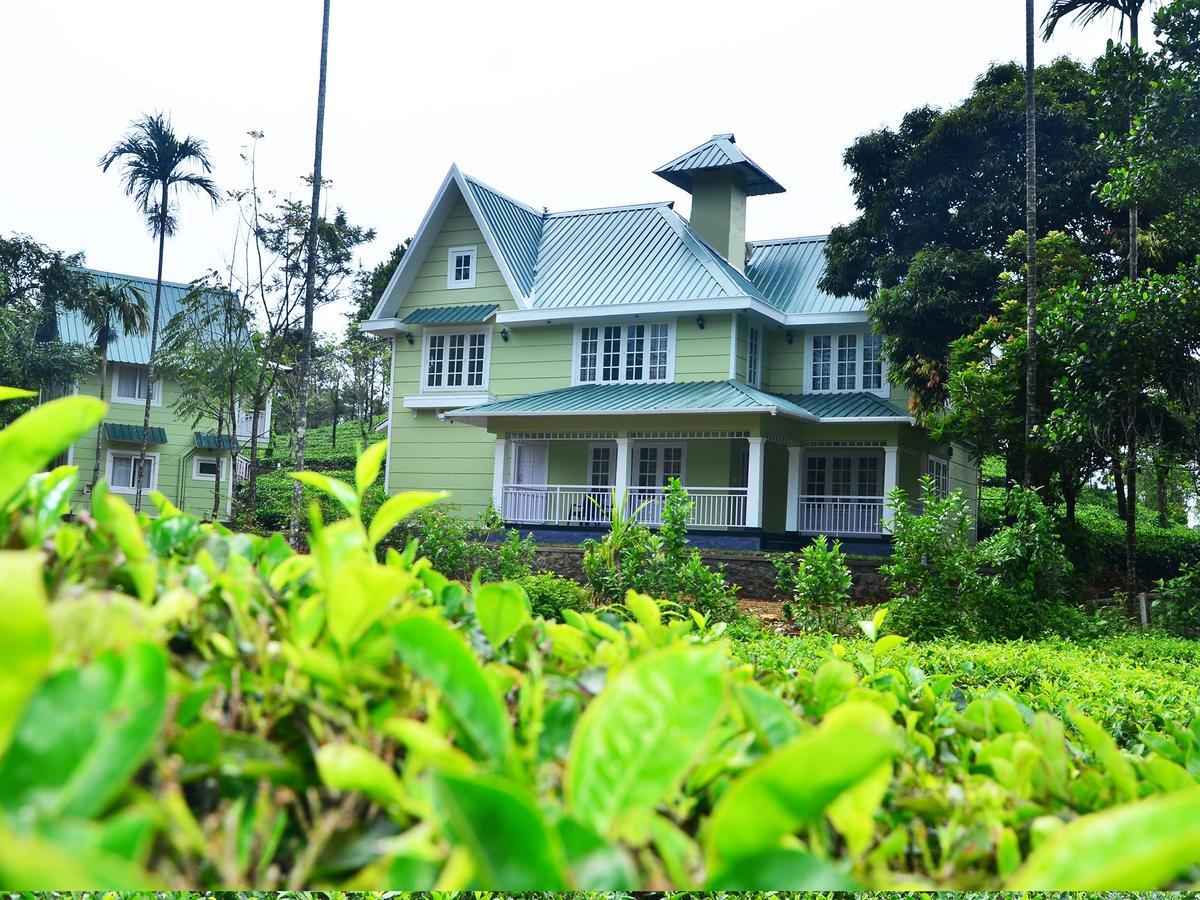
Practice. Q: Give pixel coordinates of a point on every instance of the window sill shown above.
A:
(447, 400)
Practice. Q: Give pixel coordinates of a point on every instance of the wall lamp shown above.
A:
(790, 339)
(408, 336)
(700, 322)
(504, 335)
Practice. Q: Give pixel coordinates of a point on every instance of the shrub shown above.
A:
(550, 594)
(1177, 608)
(933, 570)
(187, 707)
(633, 558)
(817, 584)
(459, 546)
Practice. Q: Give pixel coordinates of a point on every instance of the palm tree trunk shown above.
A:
(1030, 246)
(162, 244)
(100, 427)
(310, 276)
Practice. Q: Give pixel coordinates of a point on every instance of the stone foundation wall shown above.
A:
(753, 572)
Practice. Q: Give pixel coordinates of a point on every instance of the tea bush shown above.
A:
(182, 706)
(816, 583)
(1177, 608)
(551, 596)
(633, 558)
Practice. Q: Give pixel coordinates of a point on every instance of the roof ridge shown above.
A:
(606, 209)
(149, 278)
(789, 240)
(686, 233)
(513, 200)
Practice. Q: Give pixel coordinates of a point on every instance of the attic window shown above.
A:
(460, 272)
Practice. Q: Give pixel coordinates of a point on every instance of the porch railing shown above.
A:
(835, 515)
(576, 504)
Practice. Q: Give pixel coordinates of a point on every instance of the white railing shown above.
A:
(840, 515)
(241, 470)
(576, 504)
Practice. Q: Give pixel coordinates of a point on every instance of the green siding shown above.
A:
(783, 371)
(702, 354)
(174, 462)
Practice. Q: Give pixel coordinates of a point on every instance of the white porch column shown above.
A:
(754, 482)
(890, 459)
(500, 474)
(793, 489)
(621, 475)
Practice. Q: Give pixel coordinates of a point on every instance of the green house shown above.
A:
(549, 362)
(181, 456)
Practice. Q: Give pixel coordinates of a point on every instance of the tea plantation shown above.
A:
(186, 707)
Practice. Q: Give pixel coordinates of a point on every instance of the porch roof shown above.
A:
(682, 397)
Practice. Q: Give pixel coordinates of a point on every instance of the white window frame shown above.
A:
(452, 268)
(938, 462)
(754, 348)
(635, 453)
(577, 352)
(108, 472)
(116, 397)
(612, 464)
(466, 389)
(860, 336)
(197, 475)
(828, 454)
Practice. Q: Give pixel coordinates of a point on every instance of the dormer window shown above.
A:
(461, 267)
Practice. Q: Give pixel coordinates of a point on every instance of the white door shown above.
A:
(530, 473)
(657, 464)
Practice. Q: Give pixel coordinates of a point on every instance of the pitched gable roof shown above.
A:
(516, 227)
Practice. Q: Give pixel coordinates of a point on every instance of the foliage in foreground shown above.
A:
(186, 706)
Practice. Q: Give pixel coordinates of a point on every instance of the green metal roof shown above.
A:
(719, 152)
(451, 315)
(132, 434)
(684, 397)
(208, 440)
(126, 348)
(786, 271)
(857, 405)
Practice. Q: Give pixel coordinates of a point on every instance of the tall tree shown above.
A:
(310, 272)
(156, 166)
(107, 308)
(1030, 245)
(1085, 12)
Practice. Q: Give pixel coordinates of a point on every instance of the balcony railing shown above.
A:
(839, 515)
(576, 504)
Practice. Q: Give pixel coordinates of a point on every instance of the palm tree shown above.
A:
(310, 274)
(156, 166)
(1030, 245)
(108, 308)
(1085, 12)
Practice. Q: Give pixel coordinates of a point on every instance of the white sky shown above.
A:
(559, 104)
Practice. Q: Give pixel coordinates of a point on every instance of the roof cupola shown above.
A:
(720, 177)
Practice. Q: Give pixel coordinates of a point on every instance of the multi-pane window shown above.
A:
(132, 383)
(868, 477)
(841, 478)
(754, 358)
(939, 471)
(455, 360)
(843, 475)
(600, 474)
(461, 267)
(658, 464)
(822, 355)
(847, 362)
(616, 353)
(815, 476)
(125, 469)
(589, 349)
(872, 362)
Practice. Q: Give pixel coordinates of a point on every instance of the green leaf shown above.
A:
(771, 720)
(436, 652)
(1134, 847)
(1115, 764)
(11, 393)
(345, 767)
(853, 813)
(29, 863)
(28, 444)
(361, 594)
(772, 798)
(886, 643)
(338, 490)
(395, 509)
(637, 739)
(644, 609)
(504, 832)
(366, 470)
(782, 870)
(25, 642)
(85, 733)
(501, 609)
